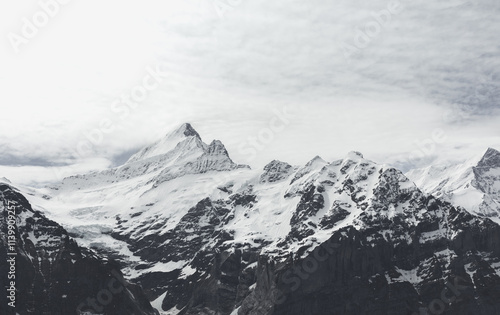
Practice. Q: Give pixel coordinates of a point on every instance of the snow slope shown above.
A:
(474, 184)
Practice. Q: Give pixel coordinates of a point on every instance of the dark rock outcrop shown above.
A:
(276, 171)
(53, 275)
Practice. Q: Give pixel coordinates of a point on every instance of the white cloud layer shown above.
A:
(376, 76)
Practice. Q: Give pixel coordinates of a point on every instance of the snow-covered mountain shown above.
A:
(474, 184)
(204, 235)
(50, 274)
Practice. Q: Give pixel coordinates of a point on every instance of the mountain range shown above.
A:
(189, 231)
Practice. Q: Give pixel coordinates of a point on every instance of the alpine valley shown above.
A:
(180, 228)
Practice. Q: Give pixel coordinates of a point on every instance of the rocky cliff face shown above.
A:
(402, 253)
(52, 274)
(447, 263)
(487, 181)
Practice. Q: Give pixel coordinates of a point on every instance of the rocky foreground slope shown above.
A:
(44, 271)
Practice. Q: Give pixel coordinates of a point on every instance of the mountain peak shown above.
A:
(275, 171)
(187, 130)
(217, 147)
(316, 160)
(491, 158)
(354, 155)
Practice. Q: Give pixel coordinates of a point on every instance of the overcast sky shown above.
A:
(404, 82)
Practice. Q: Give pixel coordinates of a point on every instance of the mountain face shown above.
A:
(46, 272)
(168, 143)
(204, 235)
(474, 185)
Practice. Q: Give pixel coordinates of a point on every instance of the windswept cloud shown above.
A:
(410, 67)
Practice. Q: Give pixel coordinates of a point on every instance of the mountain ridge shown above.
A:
(473, 184)
(204, 235)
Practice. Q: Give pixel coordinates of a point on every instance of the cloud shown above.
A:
(429, 66)
(39, 176)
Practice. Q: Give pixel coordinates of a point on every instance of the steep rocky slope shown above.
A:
(51, 274)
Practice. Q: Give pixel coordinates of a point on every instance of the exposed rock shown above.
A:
(53, 274)
(276, 171)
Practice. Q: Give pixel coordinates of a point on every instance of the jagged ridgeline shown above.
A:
(202, 234)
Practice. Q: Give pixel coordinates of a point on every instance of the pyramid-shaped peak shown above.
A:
(184, 137)
(217, 147)
(491, 158)
(316, 160)
(275, 171)
(187, 130)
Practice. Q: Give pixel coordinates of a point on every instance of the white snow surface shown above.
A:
(478, 193)
(165, 145)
